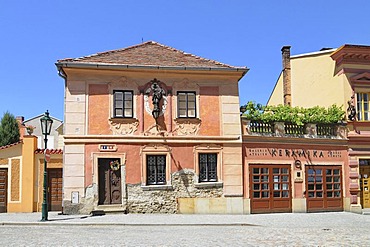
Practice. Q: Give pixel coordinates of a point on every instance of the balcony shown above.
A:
(285, 129)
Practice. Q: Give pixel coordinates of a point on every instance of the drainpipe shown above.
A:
(64, 76)
(286, 75)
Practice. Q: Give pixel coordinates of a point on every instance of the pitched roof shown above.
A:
(11, 145)
(149, 53)
(52, 151)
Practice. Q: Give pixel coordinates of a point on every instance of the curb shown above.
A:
(119, 224)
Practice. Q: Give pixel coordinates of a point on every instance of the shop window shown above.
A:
(122, 104)
(186, 104)
(208, 167)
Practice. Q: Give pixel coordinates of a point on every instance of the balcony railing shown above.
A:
(261, 127)
(251, 127)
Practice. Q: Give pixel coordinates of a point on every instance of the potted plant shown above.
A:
(30, 129)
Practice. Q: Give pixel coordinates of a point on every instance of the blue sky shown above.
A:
(35, 33)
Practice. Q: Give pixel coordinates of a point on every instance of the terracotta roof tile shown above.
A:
(149, 54)
(52, 151)
(10, 145)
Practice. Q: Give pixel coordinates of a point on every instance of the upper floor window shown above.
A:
(186, 104)
(363, 112)
(123, 103)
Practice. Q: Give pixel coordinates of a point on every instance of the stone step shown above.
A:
(108, 209)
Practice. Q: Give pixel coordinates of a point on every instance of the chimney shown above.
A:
(21, 126)
(286, 75)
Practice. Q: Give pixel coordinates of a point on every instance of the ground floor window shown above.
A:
(208, 167)
(156, 169)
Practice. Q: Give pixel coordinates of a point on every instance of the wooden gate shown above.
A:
(324, 188)
(110, 187)
(270, 188)
(3, 190)
(55, 176)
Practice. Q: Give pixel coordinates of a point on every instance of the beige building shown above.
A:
(334, 76)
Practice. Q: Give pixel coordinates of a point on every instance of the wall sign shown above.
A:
(107, 147)
(294, 153)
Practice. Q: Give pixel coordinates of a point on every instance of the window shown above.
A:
(156, 169)
(363, 113)
(186, 107)
(208, 167)
(123, 103)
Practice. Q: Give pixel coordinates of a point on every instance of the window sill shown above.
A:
(194, 120)
(124, 119)
(209, 185)
(156, 187)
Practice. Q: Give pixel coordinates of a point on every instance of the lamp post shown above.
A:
(46, 123)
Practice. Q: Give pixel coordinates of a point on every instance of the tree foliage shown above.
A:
(9, 130)
(296, 115)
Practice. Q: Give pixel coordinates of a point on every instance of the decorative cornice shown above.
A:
(298, 141)
(85, 139)
(353, 54)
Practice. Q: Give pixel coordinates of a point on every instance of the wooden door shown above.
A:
(270, 188)
(365, 192)
(324, 188)
(3, 190)
(55, 197)
(365, 179)
(110, 187)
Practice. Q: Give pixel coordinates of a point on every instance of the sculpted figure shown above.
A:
(158, 93)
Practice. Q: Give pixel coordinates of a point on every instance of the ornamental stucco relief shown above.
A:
(155, 130)
(123, 126)
(187, 127)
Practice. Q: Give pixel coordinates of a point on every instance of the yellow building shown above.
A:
(21, 177)
(334, 76)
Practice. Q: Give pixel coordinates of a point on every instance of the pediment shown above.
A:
(361, 79)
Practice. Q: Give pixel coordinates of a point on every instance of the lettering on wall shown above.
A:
(293, 153)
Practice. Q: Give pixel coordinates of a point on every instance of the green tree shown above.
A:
(9, 130)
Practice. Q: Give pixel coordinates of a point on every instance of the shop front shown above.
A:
(295, 175)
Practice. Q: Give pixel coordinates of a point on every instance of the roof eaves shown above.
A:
(11, 145)
(314, 53)
(126, 66)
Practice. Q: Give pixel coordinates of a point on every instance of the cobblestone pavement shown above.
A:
(319, 229)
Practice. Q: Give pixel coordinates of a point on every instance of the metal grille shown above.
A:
(207, 167)
(156, 169)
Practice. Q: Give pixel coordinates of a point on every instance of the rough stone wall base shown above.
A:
(159, 199)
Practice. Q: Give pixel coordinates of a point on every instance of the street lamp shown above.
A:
(46, 123)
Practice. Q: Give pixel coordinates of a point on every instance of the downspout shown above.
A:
(64, 76)
(287, 84)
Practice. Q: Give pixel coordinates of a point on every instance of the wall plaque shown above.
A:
(107, 147)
